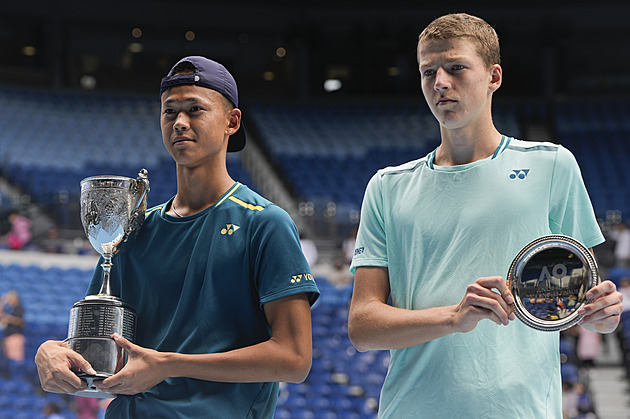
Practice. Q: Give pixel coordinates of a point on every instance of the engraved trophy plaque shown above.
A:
(549, 279)
(112, 212)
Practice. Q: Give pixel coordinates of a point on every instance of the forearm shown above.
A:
(377, 325)
(286, 356)
(268, 361)
(374, 324)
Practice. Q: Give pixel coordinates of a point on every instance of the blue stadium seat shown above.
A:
(569, 372)
(97, 143)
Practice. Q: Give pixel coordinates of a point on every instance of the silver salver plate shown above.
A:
(549, 279)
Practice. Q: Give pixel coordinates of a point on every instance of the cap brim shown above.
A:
(237, 140)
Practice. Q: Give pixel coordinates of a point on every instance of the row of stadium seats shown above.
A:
(329, 152)
(47, 296)
(61, 185)
(597, 134)
(323, 152)
(67, 137)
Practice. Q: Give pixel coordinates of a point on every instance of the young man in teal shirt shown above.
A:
(216, 276)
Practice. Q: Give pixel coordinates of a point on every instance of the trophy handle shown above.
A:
(142, 177)
(137, 215)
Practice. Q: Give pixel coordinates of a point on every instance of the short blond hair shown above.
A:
(464, 25)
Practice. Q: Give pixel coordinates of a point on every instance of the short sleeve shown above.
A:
(371, 243)
(279, 266)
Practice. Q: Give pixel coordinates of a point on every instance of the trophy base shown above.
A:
(92, 322)
(91, 390)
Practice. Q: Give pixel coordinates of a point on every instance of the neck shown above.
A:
(198, 189)
(466, 146)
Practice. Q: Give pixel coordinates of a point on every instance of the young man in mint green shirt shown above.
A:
(437, 235)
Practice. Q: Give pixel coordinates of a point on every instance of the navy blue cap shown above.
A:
(214, 76)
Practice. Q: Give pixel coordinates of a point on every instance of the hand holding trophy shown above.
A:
(112, 212)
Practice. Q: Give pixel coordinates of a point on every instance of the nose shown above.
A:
(181, 122)
(442, 80)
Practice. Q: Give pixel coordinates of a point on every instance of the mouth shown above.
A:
(445, 101)
(181, 140)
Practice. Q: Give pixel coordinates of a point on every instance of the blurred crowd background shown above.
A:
(330, 92)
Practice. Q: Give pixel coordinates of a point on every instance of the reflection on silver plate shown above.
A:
(549, 279)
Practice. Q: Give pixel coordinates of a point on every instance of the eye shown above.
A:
(196, 109)
(457, 67)
(428, 73)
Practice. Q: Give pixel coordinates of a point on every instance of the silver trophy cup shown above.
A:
(112, 212)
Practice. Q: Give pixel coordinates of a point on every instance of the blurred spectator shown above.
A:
(51, 411)
(605, 252)
(585, 404)
(348, 246)
(570, 401)
(588, 347)
(576, 403)
(309, 248)
(621, 235)
(340, 275)
(87, 407)
(51, 243)
(12, 321)
(624, 289)
(20, 233)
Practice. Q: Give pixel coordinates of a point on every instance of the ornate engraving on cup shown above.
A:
(549, 279)
(112, 212)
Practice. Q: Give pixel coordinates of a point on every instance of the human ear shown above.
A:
(496, 77)
(234, 121)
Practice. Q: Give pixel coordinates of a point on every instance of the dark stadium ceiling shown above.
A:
(288, 49)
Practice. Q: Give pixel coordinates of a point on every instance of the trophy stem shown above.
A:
(107, 267)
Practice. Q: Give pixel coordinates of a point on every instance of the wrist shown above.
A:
(171, 363)
(451, 320)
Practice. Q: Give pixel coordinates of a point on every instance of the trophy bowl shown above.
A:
(549, 279)
(112, 212)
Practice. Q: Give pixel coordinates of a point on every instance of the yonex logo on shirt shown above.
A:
(519, 174)
(229, 229)
(302, 277)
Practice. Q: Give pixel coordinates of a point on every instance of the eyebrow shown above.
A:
(450, 60)
(187, 100)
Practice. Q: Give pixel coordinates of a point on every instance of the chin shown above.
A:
(452, 124)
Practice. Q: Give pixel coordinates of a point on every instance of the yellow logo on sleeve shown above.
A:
(295, 279)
